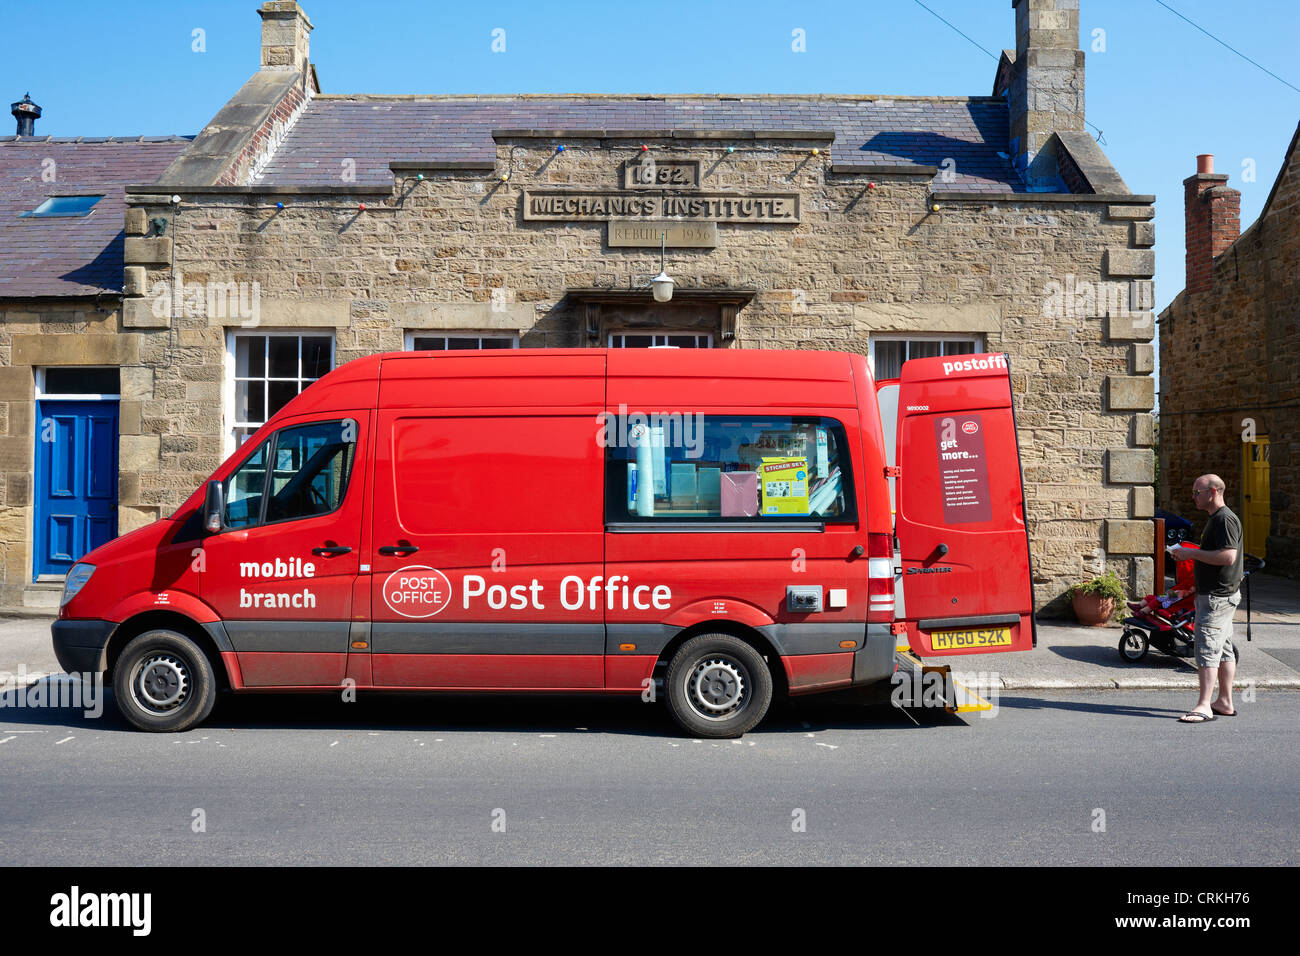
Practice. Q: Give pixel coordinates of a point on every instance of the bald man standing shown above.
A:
(1218, 576)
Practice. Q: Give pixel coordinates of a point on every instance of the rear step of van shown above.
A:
(934, 683)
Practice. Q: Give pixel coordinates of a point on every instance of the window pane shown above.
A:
(250, 402)
(889, 359)
(427, 343)
(634, 341)
(682, 467)
(64, 206)
(686, 341)
(312, 463)
(315, 356)
(283, 356)
(461, 343)
(498, 343)
(250, 356)
(958, 348)
(244, 489)
(281, 393)
(920, 348)
(82, 381)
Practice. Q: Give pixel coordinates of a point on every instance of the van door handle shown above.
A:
(402, 549)
(330, 551)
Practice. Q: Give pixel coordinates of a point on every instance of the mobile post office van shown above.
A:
(709, 527)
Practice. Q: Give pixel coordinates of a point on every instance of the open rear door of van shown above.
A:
(961, 508)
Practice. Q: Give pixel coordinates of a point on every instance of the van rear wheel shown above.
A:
(163, 682)
(718, 686)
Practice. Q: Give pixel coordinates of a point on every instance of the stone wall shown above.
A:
(1230, 356)
(453, 252)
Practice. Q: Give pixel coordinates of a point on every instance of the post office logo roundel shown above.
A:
(417, 591)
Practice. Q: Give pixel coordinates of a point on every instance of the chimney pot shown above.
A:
(26, 113)
(1205, 163)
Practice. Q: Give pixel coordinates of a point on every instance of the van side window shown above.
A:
(243, 491)
(299, 472)
(310, 468)
(685, 466)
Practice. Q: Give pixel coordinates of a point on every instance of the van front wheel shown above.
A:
(163, 682)
(718, 686)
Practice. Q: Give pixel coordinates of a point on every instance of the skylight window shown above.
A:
(63, 207)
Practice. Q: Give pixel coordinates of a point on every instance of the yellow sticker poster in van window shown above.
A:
(784, 484)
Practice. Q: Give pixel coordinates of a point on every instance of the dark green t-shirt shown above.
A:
(1222, 530)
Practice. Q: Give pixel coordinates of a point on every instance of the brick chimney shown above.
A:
(285, 32)
(1046, 86)
(1213, 221)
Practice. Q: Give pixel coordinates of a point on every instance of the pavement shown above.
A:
(1068, 655)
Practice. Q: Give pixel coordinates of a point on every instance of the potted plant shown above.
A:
(1095, 601)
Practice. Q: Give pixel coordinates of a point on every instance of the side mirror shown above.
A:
(214, 507)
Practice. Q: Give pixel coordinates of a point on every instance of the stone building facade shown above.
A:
(1230, 361)
(61, 336)
(312, 229)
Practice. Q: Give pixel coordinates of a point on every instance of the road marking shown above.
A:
(63, 741)
(828, 746)
(335, 744)
(7, 739)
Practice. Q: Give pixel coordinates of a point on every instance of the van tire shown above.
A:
(163, 682)
(718, 686)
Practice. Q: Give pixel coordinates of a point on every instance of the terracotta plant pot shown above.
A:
(1092, 610)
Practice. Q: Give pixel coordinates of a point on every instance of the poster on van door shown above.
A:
(963, 469)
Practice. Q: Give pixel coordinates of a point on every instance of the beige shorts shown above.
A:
(1214, 628)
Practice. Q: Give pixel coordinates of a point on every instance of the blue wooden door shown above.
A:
(76, 481)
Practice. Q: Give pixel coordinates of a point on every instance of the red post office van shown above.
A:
(710, 527)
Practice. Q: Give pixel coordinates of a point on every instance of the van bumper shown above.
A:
(79, 645)
(875, 660)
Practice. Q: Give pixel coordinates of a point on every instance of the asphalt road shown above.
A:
(421, 780)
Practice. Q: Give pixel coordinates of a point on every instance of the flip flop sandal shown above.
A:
(1195, 713)
(1219, 713)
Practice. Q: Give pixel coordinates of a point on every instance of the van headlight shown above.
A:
(75, 581)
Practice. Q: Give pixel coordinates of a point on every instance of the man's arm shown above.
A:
(1223, 557)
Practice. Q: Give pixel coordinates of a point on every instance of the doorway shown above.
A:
(1257, 512)
(76, 466)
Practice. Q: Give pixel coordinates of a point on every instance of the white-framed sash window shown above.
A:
(888, 352)
(459, 341)
(265, 370)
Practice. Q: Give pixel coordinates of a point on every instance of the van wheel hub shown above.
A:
(717, 687)
(161, 683)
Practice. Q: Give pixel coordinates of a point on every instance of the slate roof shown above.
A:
(73, 256)
(375, 131)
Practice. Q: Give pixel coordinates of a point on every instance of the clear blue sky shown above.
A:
(1161, 92)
